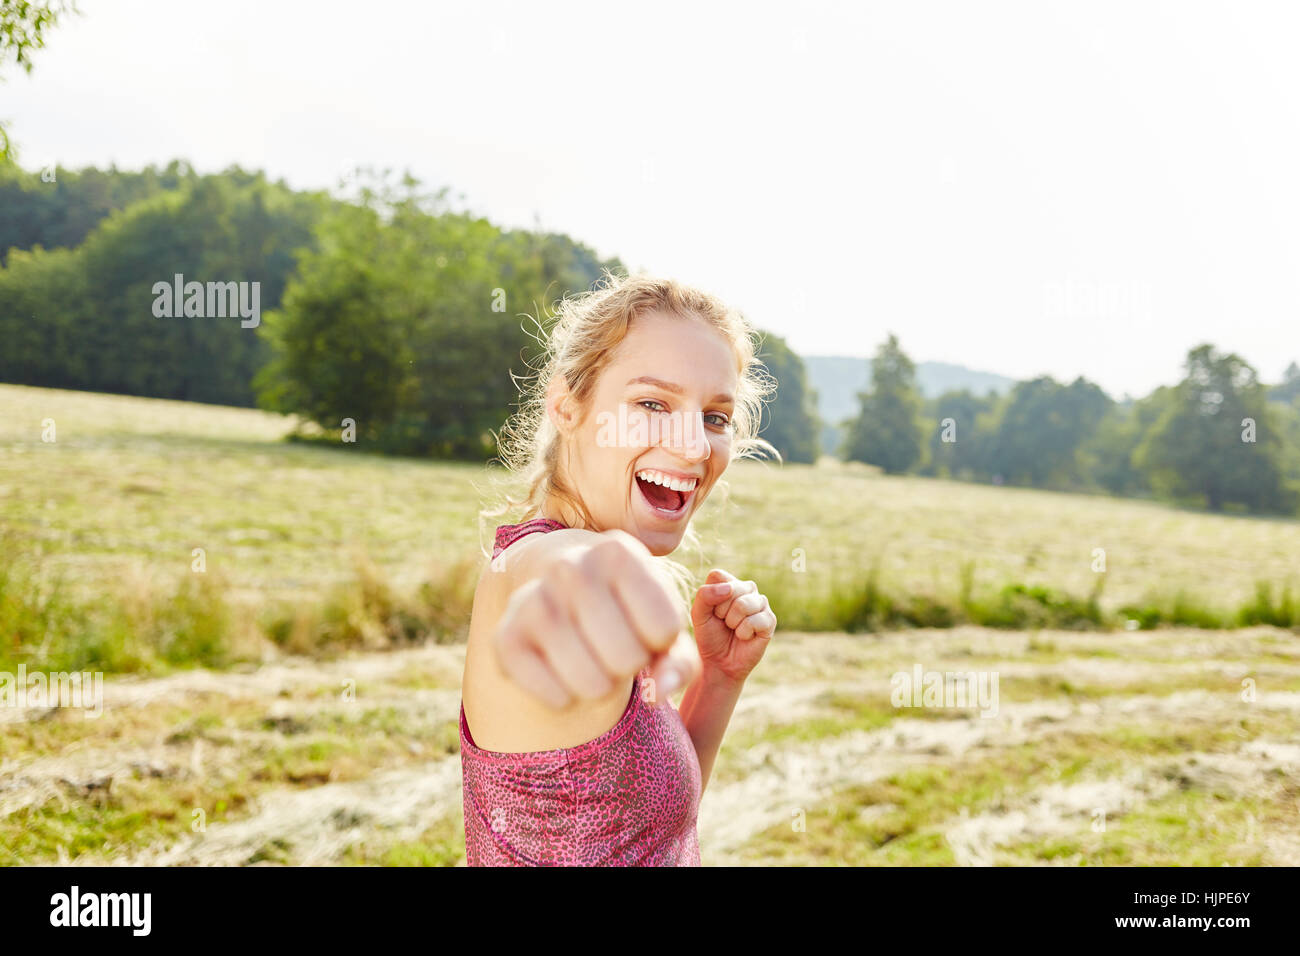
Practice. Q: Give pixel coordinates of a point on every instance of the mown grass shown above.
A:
(838, 711)
(244, 753)
(251, 745)
(442, 844)
(903, 818)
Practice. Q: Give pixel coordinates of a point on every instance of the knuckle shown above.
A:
(662, 631)
(548, 622)
(596, 559)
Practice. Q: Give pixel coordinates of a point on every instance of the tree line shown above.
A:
(392, 311)
(405, 321)
(1219, 439)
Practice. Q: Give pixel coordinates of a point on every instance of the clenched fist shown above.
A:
(596, 614)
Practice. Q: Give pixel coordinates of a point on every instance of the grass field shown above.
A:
(1107, 749)
(1110, 746)
(115, 507)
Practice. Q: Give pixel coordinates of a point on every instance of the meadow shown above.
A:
(295, 702)
(297, 540)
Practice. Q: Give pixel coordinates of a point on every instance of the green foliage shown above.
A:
(410, 320)
(1284, 612)
(1198, 451)
(85, 318)
(42, 297)
(24, 25)
(60, 214)
(1288, 392)
(959, 434)
(1040, 430)
(888, 431)
(790, 420)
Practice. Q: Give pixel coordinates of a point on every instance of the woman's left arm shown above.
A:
(733, 624)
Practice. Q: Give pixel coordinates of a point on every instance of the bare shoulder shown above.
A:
(528, 557)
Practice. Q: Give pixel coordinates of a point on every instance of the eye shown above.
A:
(722, 421)
(650, 401)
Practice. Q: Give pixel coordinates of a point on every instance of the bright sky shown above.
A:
(1025, 188)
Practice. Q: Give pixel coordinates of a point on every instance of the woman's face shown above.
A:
(656, 434)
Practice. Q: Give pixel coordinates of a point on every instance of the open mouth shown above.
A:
(667, 495)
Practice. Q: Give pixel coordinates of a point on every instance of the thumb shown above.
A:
(675, 668)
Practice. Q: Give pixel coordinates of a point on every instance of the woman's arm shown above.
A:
(558, 630)
(706, 710)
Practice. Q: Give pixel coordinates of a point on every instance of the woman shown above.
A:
(579, 626)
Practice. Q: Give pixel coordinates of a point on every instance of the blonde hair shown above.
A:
(578, 344)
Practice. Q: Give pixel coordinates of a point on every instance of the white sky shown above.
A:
(1026, 188)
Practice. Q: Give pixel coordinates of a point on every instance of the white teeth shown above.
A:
(668, 481)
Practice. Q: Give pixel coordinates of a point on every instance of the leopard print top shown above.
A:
(630, 797)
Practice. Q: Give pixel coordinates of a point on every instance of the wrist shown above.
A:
(713, 676)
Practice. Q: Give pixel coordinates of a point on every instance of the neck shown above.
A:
(556, 509)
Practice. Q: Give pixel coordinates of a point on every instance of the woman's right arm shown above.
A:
(573, 616)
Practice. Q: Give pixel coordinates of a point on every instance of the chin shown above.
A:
(659, 543)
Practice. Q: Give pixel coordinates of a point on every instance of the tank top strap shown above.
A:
(508, 534)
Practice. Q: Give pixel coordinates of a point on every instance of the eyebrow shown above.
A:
(673, 387)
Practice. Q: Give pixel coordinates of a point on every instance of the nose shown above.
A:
(694, 444)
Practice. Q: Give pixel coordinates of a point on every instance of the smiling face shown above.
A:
(655, 435)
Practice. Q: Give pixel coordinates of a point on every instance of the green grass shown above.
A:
(838, 712)
(442, 844)
(902, 819)
(317, 549)
(141, 807)
(323, 551)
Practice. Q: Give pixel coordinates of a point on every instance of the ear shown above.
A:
(559, 404)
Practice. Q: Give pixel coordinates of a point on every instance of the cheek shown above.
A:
(720, 451)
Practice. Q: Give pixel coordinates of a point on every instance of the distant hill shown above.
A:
(838, 379)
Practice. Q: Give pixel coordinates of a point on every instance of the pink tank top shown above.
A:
(630, 797)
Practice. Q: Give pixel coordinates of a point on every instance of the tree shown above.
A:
(407, 319)
(789, 420)
(888, 430)
(1288, 392)
(1216, 442)
(24, 25)
(1040, 431)
(1107, 458)
(84, 318)
(63, 213)
(958, 444)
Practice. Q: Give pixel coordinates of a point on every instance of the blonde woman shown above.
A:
(572, 752)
